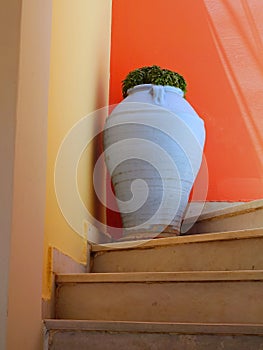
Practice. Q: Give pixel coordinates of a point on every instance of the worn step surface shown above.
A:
(238, 250)
(240, 217)
(200, 297)
(75, 335)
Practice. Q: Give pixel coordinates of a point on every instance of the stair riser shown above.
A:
(239, 221)
(75, 340)
(242, 254)
(208, 301)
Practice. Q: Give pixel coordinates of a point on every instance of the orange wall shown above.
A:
(212, 43)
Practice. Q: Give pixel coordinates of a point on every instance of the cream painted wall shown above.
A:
(79, 85)
(10, 12)
(25, 54)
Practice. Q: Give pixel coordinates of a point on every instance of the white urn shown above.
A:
(153, 144)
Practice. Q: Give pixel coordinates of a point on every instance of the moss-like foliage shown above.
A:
(152, 75)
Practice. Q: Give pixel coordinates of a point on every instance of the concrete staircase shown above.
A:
(192, 292)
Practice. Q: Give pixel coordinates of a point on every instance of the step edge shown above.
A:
(148, 277)
(153, 327)
(161, 242)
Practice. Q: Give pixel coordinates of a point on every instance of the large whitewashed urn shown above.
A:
(153, 144)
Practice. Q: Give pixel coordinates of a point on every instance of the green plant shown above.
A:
(152, 75)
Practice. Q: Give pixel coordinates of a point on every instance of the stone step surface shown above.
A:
(199, 297)
(226, 251)
(239, 217)
(76, 335)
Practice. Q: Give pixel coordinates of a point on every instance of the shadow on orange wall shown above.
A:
(214, 45)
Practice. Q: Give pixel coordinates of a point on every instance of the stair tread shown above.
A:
(144, 277)
(156, 327)
(229, 211)
(199, 238)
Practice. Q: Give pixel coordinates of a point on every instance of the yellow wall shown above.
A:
(79, 83)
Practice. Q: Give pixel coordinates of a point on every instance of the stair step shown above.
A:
(75, 335)
(209, 297)
(239, 217)
(226, 251)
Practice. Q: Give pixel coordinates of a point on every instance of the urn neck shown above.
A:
(156, 89)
